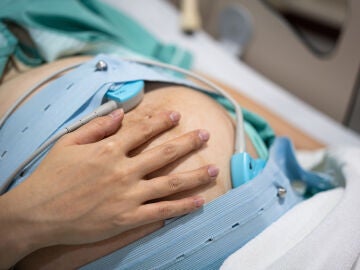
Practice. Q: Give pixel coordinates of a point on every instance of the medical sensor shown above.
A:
(128, 95)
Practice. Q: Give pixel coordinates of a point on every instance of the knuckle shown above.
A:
(125, 172)
(104, 151)
(120, 220)
(187, 208)
(175, 182)
(147, 131)
(165, 211)
(117, 175)
(170, 150)
(108, 147)
(155, 192)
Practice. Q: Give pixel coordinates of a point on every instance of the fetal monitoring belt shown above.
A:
(63, 101)
(69, 98)
(199, 240)
(205, 238)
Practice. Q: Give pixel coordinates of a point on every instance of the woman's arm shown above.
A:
(197, 110)
(88, 188)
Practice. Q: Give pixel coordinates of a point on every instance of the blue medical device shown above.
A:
(243, 166)
(128, 94)
(200, 240)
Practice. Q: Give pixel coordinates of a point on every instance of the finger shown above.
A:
(96, 130)
(142, 132)
(166, 185)
(159, 156)
(152, 212)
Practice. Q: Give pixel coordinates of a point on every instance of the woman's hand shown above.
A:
(88, 188)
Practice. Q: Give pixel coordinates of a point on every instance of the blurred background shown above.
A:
(309, 47)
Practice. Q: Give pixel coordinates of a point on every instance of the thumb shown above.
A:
(97, 129)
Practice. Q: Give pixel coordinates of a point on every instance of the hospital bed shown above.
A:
(288, 115)
(320, 226)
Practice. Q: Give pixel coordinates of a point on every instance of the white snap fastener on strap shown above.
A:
(101, 66)
(281, 193)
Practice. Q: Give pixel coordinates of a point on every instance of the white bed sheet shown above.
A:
(162, 19)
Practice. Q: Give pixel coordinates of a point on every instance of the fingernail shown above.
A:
(175, 117)
(213, 171)
(116, 114)
(204, 135)
(199, 201)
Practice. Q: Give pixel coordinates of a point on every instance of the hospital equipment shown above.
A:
(239, 76)
(204, 238)
(235, 29)
(316, 247)
(190, 16)
(127, 96)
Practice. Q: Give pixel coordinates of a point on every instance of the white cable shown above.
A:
(107, 107)
(240, 143)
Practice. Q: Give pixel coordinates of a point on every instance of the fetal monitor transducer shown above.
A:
(127, 96)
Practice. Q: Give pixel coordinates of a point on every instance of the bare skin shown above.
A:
(197, 111)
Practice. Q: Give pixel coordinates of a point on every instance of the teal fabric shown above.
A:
(199, 240)
(259, 131)
(89, 22)
(7, 46)
(257, 141)
(60, 28)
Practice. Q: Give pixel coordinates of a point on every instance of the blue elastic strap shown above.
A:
(205, 238)
(82, 90)
(199, 240)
